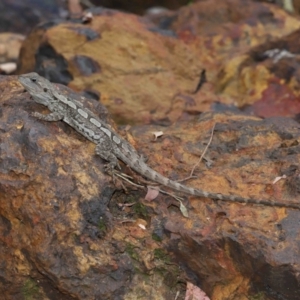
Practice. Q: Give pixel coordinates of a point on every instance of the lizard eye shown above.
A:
(33, 79)
(45, 90)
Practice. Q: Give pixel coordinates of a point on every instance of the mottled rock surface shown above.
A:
(67, 233)
(71, 232)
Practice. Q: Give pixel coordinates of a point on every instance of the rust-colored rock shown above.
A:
(267, 77)
(69, 232)
(147, 73)
(65, 236)
(119, 57)
(10, 45)
(52, 205)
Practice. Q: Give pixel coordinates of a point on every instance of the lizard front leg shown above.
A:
(104, 150)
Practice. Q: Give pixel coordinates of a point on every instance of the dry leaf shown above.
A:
(194, 293)
(87, 18)
(278, 178)
(8, 68)
(183, 209)
(151, 193)
(157, 134)
(142, 226)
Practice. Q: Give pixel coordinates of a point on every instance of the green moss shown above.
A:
(258, 296)
(30, 290)
(156, 238)
(131, 198)
(140, 210)
(102, 225)
(162, 255)
(131, 252)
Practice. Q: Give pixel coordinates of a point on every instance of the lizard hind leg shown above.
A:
(105, 151)
(144, 158)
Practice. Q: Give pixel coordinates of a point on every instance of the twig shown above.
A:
(200, 159)
(126, 178)
(165, 192)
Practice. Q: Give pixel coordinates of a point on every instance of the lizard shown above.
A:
(109, 145)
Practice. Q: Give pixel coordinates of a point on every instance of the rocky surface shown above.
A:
(71, 232)
(153, 70)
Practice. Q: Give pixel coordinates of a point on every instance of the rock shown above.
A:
(64, 235)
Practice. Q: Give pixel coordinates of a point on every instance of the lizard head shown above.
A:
(38, 87)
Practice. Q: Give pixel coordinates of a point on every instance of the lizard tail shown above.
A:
(155, 176)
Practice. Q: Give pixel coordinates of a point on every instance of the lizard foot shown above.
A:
(144, 158)
(109, 168)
